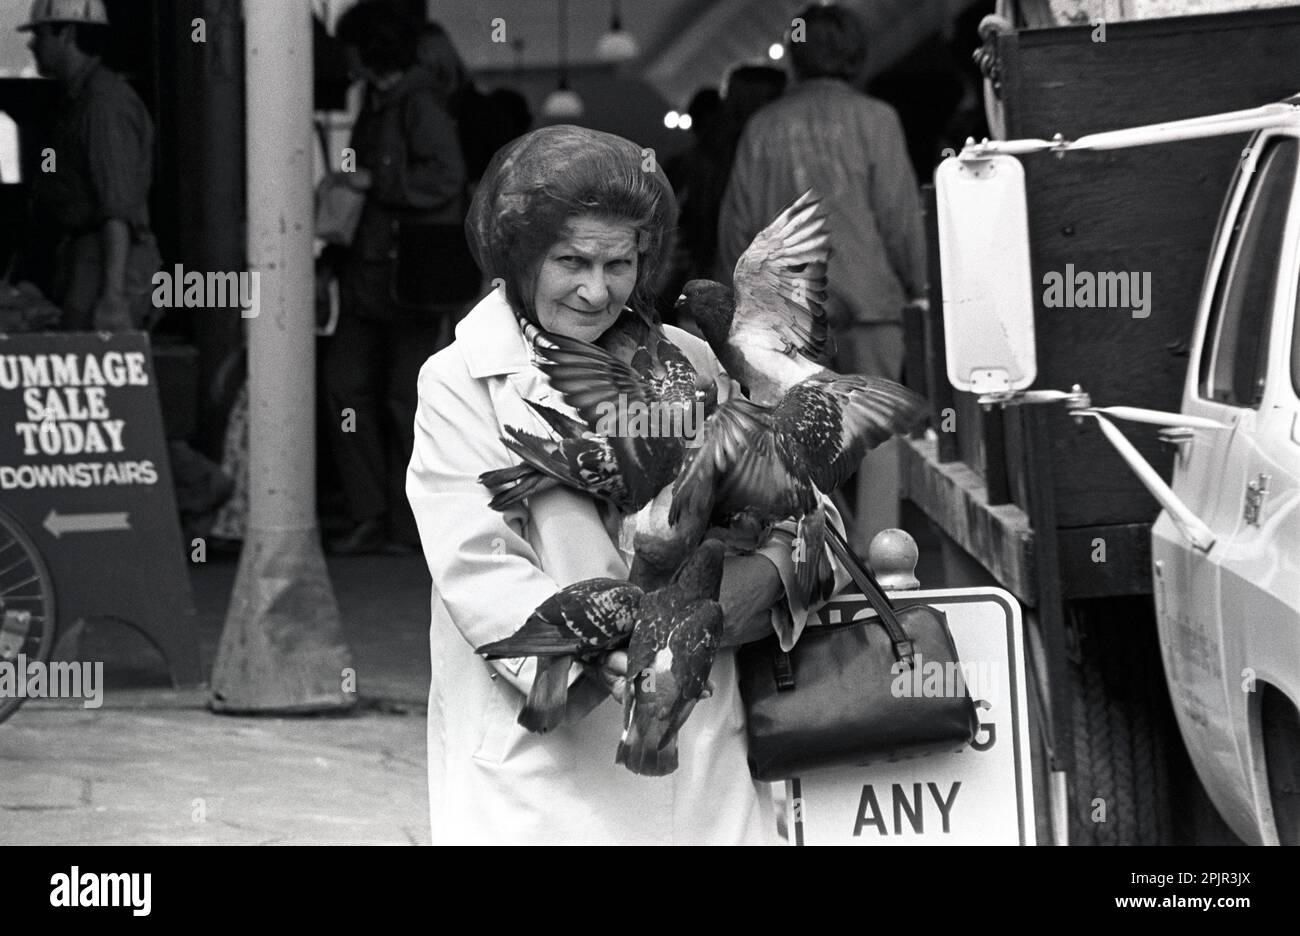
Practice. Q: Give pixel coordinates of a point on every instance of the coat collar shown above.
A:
(491, 338)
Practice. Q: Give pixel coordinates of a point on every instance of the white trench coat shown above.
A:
(490, 781)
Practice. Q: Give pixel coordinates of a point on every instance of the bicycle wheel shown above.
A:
(27, 616)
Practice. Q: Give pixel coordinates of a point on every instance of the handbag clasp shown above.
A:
(783, 671)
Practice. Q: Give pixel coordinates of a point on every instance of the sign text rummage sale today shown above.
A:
(67, 413)
(84, 475)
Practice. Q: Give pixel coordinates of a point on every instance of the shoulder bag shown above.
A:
(842, 696)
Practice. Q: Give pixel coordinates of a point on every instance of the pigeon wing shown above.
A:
(738, 466)
(813, 576)
(588, 377)
(648, 635)
(590, 465)
(761, 479)
(694, 643)
(780, 281)
(595, 614)
(723, 439)
(827, 423)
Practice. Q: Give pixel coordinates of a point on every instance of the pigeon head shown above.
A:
(711, 305)
(700, 577)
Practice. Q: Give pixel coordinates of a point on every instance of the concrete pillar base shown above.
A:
(282, 647)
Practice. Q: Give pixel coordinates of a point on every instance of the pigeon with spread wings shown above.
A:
(802, 429)
(636, 408)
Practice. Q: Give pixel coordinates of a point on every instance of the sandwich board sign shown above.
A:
(982, 795)
(84, 471)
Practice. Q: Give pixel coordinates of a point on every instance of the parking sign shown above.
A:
(982, 795)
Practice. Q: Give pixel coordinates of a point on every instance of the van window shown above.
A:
(1234, 369)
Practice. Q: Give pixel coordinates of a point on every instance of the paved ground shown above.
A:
(153, 765)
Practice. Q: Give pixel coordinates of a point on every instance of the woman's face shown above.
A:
(586, 277)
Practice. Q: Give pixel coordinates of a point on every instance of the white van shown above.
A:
(1226, 546)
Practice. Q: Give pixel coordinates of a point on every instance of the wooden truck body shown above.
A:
(1039, 502)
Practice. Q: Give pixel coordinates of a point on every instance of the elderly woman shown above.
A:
(572, 224)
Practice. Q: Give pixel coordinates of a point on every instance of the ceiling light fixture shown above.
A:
(617, 45)
(563, 102)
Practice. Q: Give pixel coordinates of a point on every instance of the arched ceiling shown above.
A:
(684, 43)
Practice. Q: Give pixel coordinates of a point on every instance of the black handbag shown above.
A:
(845, 695)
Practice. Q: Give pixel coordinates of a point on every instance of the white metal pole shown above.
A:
(1192, 128)
(282, 647)
(1200, 535)
(1158, 418)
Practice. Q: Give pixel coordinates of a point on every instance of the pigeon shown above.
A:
(675, 636)
(659, 547)
(637, 407)
(579, 622)
(771, 330)
(800, 430)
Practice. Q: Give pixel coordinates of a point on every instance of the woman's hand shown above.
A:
(611, 673)
(750, 586)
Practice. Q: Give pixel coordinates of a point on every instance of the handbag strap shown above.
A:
(904, 649)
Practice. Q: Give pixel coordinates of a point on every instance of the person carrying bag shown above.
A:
(403, 277)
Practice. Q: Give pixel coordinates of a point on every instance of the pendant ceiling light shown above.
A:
(617, 45)
(563, 102)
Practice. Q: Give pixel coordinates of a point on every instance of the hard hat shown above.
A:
(90, 12)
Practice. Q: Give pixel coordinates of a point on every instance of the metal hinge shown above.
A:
(1256, 491)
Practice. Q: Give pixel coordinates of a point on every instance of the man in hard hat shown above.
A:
(94, 185)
